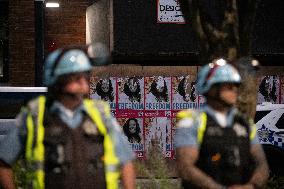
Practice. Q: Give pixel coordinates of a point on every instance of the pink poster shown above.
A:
(146, 107)
(130, 97)
(184, 94)
(158, 131)
(133, 130)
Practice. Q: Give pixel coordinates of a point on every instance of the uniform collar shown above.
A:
(72, 118)
(229, 116)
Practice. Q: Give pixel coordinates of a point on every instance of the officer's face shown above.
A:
(77, 83)
(229, 93)
(132, 126)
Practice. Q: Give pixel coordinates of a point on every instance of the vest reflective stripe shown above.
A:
(35, 156)
(30, 137)
(201, 128)
(110, 159)
(203, 124)
(252, 129)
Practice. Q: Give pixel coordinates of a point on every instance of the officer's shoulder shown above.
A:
(32, 105)
(187, 118)
(188, 113)
(100, 104)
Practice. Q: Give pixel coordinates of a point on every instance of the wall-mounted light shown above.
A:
(52, 4)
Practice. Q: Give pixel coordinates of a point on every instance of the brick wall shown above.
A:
(21, 42)
(64, 26)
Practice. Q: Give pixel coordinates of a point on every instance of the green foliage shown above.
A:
(22, 176)
(275, 182)
(154, 172)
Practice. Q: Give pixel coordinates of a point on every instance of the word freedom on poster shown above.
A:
(145, 107)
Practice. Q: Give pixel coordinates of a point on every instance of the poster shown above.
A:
(159, 133)
(133, 130)
(145, 108)
(184, 94)
(169, 11)
(269, 89)
(104, 89)
(130, 95)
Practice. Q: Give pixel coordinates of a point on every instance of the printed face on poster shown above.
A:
(133, 130)
(143, 107)
(130, 93)
(269, 90)
(184, 94)
(158, 91)
(104, 89)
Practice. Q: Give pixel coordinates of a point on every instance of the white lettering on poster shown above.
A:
(158, 106)
(134, 106)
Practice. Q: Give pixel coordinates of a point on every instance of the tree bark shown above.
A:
(223, 29)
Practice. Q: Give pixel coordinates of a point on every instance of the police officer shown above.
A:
(67, 140)
(216, 146)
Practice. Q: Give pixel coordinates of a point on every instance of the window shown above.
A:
(3, 41)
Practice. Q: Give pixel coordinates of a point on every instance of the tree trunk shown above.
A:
(223, 29)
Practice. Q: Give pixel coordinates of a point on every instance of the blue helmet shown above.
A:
(217, 72)
(65, 61)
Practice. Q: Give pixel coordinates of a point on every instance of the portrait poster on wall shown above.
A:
(130, 96)
(104, 89)
(133, 130)
(184, 94)
(145, 108)
(269, 89)
(158, 114)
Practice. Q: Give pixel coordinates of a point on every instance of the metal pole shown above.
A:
(39, 41)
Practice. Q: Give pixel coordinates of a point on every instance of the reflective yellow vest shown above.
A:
(191, 114)
(35, 148)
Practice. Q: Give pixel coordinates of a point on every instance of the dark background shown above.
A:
(137, 33)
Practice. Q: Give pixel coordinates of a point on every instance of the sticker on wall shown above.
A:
(169, 11)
